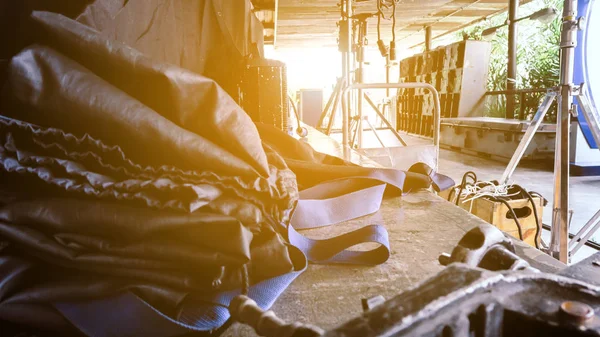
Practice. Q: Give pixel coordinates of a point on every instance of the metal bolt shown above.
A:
(576, 312)
(370, 303)
(445, 259)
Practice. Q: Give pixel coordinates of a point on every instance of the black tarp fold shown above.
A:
(120, 174)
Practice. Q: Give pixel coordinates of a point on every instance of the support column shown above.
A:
(511, 74)
(560, 224)
(347, 71)
(387, 74)
(428, 38)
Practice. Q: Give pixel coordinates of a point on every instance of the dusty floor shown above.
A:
(536, 176)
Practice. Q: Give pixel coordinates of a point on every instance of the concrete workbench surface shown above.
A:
(421, 226)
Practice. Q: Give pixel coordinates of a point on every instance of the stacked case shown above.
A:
(459, 73)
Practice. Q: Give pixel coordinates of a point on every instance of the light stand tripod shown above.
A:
(564, 93)
(357, 139)
(345, 42)
(353, 26)
(332, 102)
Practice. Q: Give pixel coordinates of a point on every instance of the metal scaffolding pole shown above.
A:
(511, 74)
(560, 232)
(347, 73)
(428, 38)
(345, 20)
(564, 94)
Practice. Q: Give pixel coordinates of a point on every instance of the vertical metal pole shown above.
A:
(428, 38)
(332, 98)
(388, 65)
(349, 61)
(511, 74)
(577, 241)
(359, 73)
(345, 65)
(338, 98)
(560, 226)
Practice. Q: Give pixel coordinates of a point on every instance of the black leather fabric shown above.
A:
(121, 173)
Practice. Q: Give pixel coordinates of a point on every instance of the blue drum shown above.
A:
(587, 59)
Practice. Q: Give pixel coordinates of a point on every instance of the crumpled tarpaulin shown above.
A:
(209, 37)
(121, 176)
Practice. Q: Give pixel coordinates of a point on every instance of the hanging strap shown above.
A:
(439, 182)
(345, 199)
(334, 202)
(127, 315)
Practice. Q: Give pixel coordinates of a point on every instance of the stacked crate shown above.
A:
(459, 73)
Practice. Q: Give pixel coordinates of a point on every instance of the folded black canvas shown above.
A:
(123, 174)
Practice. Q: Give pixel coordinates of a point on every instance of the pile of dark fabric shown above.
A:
(123, 175)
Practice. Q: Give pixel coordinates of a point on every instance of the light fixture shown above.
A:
(489, 33)
(545, 15)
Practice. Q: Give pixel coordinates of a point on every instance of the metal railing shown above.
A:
(436, 109)
(525, 105)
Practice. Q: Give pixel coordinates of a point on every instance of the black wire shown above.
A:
(462, 187)
(394, 20)
(450, 194)
(528, 195)
(538, 225)
(536, 194)
(512, 211)
(463, 183)
(384, 5)
(379, 14)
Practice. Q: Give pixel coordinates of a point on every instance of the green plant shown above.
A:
(537, 56)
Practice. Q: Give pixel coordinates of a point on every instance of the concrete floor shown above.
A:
(420, 227)
(536, 176)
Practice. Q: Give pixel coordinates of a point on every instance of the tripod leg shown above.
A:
(575, 242)
(527, 138)
(591, 115)
(384, 120)
(584, 239)
(329, 101)
(375, 132)
(338, 97)
(350, 130)
(559, 235)
(357, 125)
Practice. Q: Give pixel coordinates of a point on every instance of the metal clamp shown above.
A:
(487, 247)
